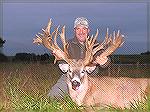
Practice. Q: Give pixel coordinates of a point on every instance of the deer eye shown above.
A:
(69, 71)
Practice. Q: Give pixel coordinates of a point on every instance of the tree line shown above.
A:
(48, 58)
(33, 57)
(2, 42)
(27, 57)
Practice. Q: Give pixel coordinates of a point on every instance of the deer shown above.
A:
(93, 90)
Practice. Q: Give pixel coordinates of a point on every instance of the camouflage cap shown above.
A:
(81, 21)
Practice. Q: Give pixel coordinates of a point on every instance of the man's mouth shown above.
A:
(81, 35)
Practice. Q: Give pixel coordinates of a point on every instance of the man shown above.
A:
(77, 51)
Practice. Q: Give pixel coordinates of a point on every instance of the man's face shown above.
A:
(81, 33)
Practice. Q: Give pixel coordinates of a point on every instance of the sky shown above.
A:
(21, 21)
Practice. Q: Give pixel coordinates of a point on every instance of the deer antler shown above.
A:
(91, 47)
(112, 44)
(47, 40)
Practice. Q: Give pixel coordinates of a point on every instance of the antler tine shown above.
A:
(91, 39)
(62, 36)
(122, 41)
(55, 37)
(114, 36)
(118, 33)
(95, 37)
(37, 36)
(65, 44)
(43, 30)
(49, 26)
(41, 34)
(106, 37)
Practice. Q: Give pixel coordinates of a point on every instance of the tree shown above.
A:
(3, 58)
(2, 42)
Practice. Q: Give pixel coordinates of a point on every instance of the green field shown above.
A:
(24, 87)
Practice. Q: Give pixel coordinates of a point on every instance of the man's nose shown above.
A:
(81, 31)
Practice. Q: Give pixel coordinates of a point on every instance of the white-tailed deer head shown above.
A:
(76, 73)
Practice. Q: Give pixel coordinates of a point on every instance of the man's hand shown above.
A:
(101, 60)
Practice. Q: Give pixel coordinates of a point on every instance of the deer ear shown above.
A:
(64, 67)
(90, 69)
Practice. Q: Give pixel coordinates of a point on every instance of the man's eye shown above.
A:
(84, 29)
(77, 29)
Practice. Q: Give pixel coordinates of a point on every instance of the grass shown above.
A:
(24, 88)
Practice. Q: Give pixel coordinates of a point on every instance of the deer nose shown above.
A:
(75, 84)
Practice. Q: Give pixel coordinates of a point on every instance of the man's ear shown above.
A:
(90, 69)
(64, 67)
